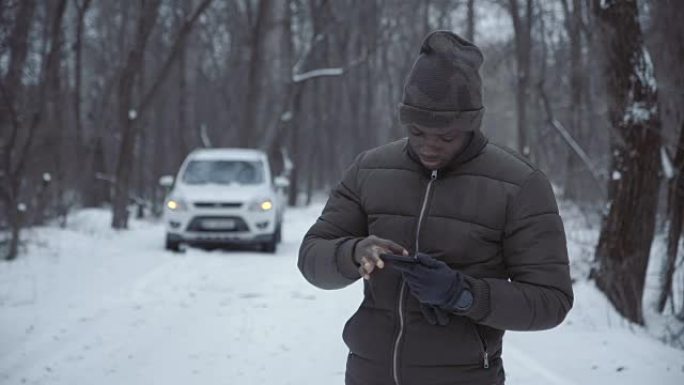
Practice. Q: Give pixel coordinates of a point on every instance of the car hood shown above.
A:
(221, 193)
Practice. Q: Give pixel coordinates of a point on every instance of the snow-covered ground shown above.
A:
(89, 305)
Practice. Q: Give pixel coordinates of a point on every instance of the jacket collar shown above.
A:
(477, 142)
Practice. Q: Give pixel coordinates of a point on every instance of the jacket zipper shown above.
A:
(483, 345)
(402, 291)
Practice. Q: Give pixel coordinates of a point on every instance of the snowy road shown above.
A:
(87, 305)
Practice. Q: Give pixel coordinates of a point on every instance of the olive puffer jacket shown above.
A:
(489, 214)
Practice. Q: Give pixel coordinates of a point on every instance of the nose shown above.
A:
(431, 146)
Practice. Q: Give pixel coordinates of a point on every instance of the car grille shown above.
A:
(218, 205)
(200, 224)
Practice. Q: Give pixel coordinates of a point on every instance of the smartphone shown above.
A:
(398, 258)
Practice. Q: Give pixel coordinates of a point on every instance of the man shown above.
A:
(480, 223)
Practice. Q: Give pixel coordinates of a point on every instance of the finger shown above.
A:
(375, 256)
(428, 261)
(428, 314)
(363, 273)
(367, 265)
(393, 247)
(411, 270)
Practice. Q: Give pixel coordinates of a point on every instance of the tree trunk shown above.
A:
(256, 70)
(10, 124)
(675, 214)
(470, 31)
(81, 150)
(627, 231)
(56, 107)
(575, 175)
(668, 47)
(15, 217)
(293, 135)
(16, 153)
(522, 27)
(126, 115)
(18, 47)
(78, 69)
(182, 122)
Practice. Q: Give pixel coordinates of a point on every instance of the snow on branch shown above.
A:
(204, 136)
(576, 148)
(668, 168)
(317, 73)
(638, 111)
(605, 4)
(569, 140)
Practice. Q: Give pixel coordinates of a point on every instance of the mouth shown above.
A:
(430, 162)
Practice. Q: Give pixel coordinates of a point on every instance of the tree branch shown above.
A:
(320, 72)
(569, 140)
(178, 45)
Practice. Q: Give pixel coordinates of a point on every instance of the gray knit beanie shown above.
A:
(444, 86)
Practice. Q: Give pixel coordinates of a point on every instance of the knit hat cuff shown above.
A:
(464, 120)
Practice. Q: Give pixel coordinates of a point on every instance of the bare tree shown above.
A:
(127, 110)
(576, 185)
(147, 17)
(81, 9)
(22, 129)
(522, 27)
(627, 231)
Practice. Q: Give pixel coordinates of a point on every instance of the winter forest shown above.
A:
(100, 99)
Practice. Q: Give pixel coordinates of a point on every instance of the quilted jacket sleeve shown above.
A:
(538, 294)
(325, 256)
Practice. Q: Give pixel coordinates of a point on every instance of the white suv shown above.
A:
(224, 196)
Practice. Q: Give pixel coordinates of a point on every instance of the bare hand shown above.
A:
(368, 250)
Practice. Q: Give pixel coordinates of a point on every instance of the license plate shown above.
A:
(218, 224)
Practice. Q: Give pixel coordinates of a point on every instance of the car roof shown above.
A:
(227, 153)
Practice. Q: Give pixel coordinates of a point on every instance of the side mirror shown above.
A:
(166, 181)
(281, 182)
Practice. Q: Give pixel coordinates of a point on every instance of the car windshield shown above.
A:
(224, 172)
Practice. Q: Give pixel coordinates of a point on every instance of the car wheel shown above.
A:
(172, 244)
(270, 246)
(279, 233)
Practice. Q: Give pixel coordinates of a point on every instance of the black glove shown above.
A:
(433, 282)
(434, 315)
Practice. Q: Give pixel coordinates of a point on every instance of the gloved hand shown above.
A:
(434, 315)
(433, 282)
(367, 253)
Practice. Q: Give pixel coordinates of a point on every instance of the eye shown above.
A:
(447, 139)
(415, 132)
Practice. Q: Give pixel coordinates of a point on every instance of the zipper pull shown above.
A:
(434, 175)
(486, 360)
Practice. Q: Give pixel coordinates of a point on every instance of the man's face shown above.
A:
(436, 146)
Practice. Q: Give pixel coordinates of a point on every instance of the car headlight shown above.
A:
(261, 205)
(176, 205)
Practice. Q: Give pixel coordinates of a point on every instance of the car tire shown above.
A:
(279, 233)
(172, 244)
(270, 246)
